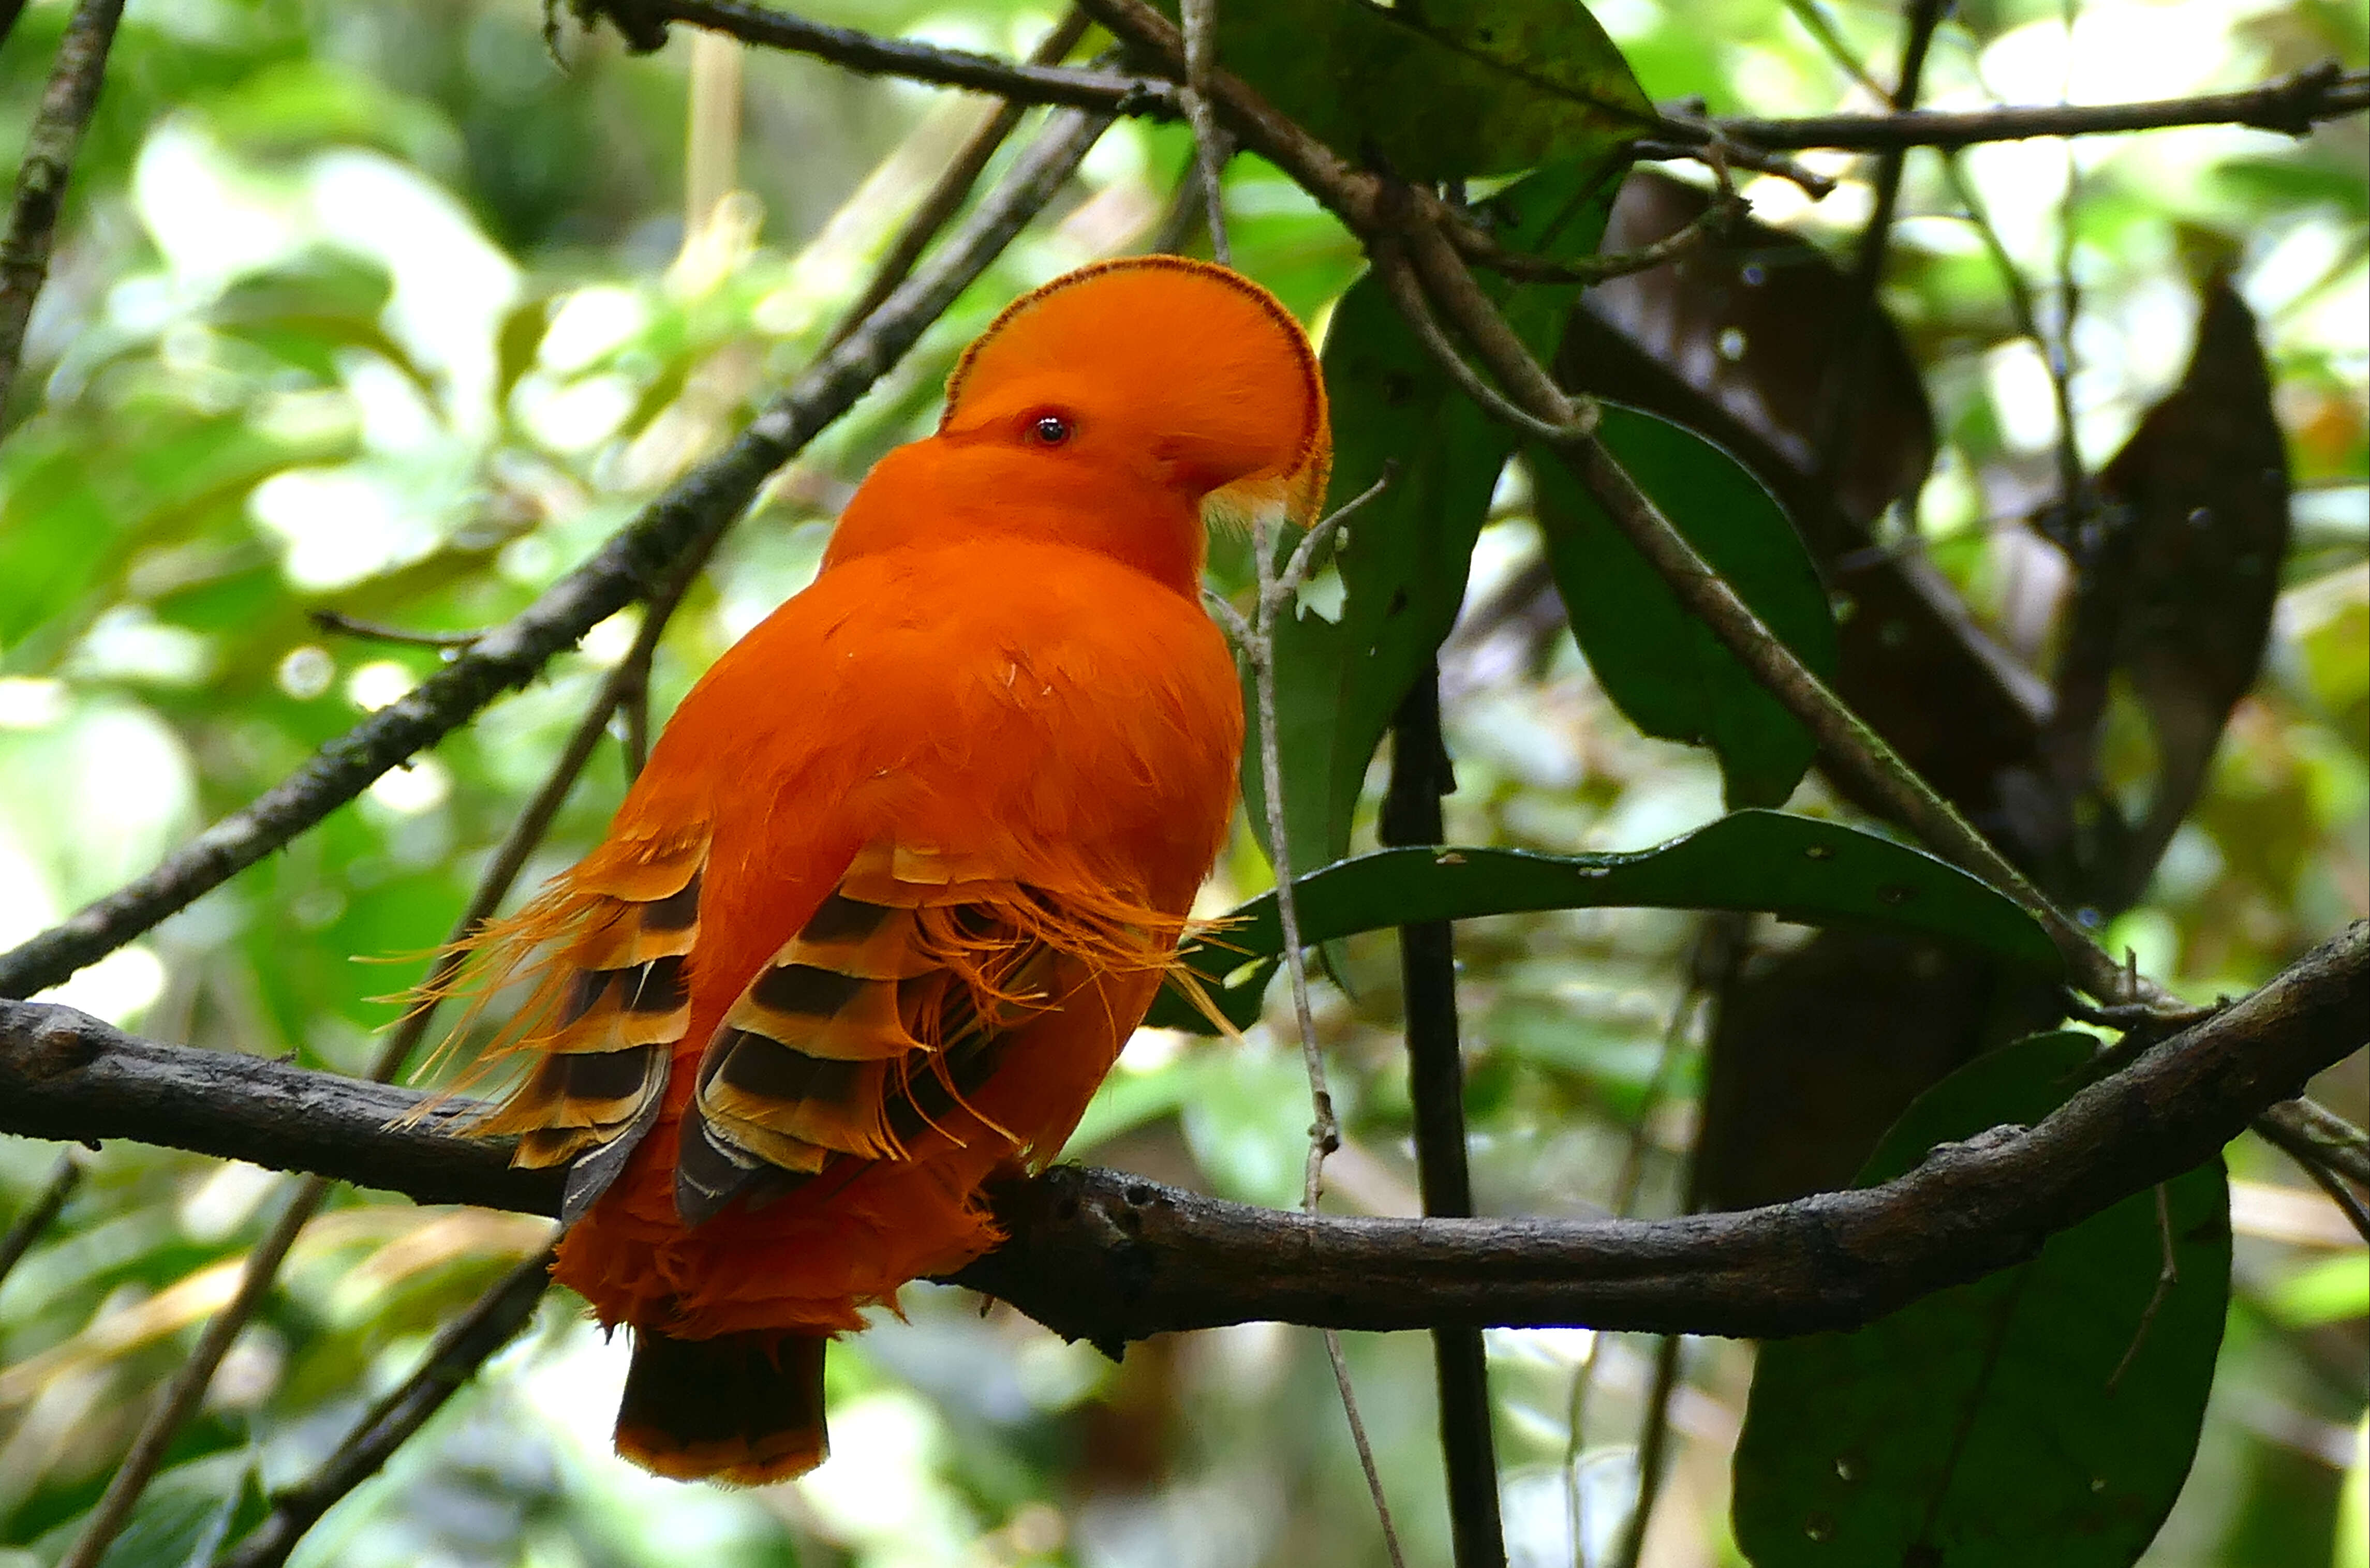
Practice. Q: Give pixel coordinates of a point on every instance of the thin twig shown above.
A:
(1201, 22)
(342, 626)
(1098, 91)
(2314, 1161)
(2291, 105)
(1324, 1128)
(49, 148)
(65, 1178)
(189, 1386)
(2022, 310)
(465, 1345)
(1821, 28)
(953, 187)
(1843, 380)
(628, 567)
(2168, 1275)
(1654, 1448)
(1365, 1449)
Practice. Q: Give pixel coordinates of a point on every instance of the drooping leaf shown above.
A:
(1442, 90)
(1661, 666)
(1738, 340)
(1757, 323)
(1799, 868)
(1403, 559)
(2176, 583)
(2041, 1415)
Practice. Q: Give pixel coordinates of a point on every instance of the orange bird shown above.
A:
(909, 862)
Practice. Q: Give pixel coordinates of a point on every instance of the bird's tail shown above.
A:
(743, 1409)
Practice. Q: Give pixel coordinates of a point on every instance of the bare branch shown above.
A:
(2292, 105)
(337, 623)
(66, 105)
(65, 1178)
(113, 1510)
(1109, 1257)
(465, 1345)
(628, 567)
(643, 23)
(953, 187)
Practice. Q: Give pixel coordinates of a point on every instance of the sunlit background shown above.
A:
(380, 306)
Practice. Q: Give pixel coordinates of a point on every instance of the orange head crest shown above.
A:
(1117, 406)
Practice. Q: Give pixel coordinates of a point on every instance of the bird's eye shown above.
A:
(1050, 429)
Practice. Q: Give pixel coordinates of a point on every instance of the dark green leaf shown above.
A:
(1798, 868)
(1403, 559)
(1442, 90)
(1661, 666)
(1986, 1427)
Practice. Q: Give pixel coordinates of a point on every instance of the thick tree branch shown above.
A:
(631, 564)
(1102, 1255)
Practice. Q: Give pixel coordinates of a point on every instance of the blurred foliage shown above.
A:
(374, 306)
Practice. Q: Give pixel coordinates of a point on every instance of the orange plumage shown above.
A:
(910, 861)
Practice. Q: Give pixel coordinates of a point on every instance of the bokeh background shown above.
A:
(394, 308)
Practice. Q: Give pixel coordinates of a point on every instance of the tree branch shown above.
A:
(2292, 105)
(1109, 1257)
(643, 24)
(49, 147)
(635, 561)
(465, 1345)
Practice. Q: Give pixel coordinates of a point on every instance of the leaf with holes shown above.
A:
(2042, 1416)
(1661, 667)
(1402, 560)
(1442, 90)
(1798, 868)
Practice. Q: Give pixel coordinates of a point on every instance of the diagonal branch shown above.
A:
(632, 564)
(464, 1345)
(1109, 1257)
(66, 105)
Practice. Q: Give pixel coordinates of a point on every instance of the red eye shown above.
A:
(1050, 429)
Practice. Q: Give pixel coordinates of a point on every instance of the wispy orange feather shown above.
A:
(1000, 706)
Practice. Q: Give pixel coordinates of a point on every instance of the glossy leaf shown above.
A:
(1998, 1424)
(1443, 90)
(1402, 560)
(1661, 667)
(1799, 868)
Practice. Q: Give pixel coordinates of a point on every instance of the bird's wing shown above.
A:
(611, 1001)
(869, 1030)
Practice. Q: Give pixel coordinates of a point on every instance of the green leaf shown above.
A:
(1798, 868)
(1986, 1427)
(189, 1512)
(1661, 667)
(1442, 90)
(1403, 559)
